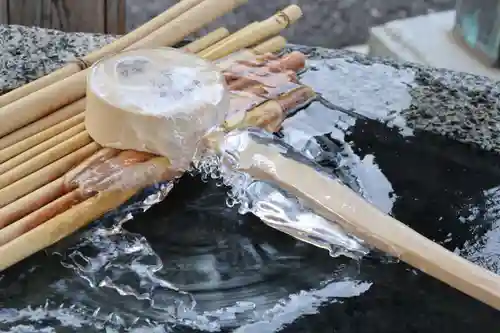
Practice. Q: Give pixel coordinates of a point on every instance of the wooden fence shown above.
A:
(98, 16)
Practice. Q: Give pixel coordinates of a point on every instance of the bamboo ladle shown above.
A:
(118, 45)
(321, 193)
(62, 119)
(42, 102)
(45, 141)
(50, 191)
(22, 223)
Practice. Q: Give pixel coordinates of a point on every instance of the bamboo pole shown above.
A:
(232, 36)
(51, 155)
(22, 146)
(45, 175)
(36, 218)
(255, 34)
(273, 44)
(41, 148)
(42, 124)
(31, 202)
(44, 101)
(120, 44)
(206, 41)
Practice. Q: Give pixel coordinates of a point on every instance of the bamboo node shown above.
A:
(281, 14)
(82, 63)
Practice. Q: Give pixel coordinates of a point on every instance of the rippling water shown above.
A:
(192, 263)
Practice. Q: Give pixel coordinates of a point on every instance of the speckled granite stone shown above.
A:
(457, 105)
(28, 53)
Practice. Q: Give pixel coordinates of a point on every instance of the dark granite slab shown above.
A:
(460, 106)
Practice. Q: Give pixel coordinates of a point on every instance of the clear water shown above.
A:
(267, 201)
(193, 263)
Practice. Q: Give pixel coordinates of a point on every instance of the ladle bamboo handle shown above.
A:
(336, 202)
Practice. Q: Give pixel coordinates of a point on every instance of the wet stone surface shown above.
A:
(192, 263)
(457, 105)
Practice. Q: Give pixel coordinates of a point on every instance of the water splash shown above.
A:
(273, 205)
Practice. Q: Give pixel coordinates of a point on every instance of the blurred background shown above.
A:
(328, 23)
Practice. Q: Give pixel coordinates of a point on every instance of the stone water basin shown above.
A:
(405, 137)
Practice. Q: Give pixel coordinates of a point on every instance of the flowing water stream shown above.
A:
(192, 263)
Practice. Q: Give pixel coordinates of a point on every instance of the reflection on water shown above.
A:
(484, 247)
(193, 263)
(190, 260)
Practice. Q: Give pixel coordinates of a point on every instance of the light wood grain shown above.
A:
(116, 17)
(97, 16)
(26, 12)
(70, 15)
(45, 175)
(4, 11)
